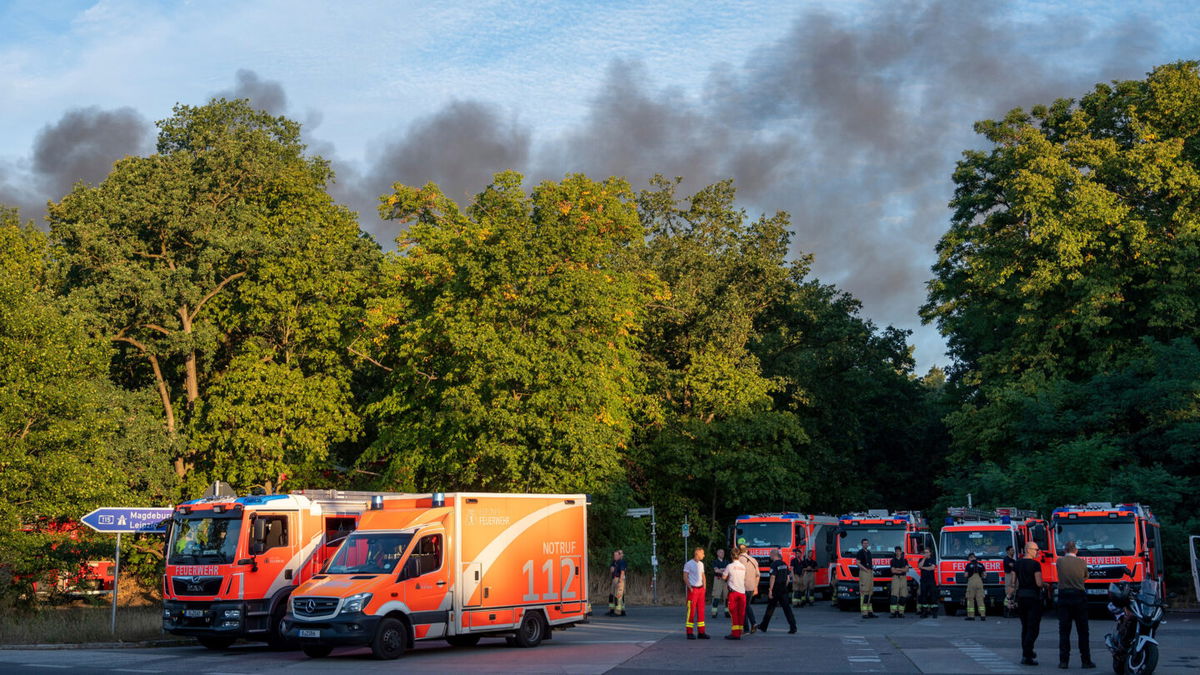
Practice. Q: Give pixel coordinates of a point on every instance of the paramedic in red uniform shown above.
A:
(694, 580)
(735, 576)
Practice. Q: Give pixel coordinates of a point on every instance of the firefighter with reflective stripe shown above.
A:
(735, 576)
(805, 569)
(616, 596)
(1010, 582)
(694, 582)
(927, 595)
(975, 571)
(899, 567)
(720, 587)
(866, 579)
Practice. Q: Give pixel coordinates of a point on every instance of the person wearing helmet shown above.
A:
(975, 594)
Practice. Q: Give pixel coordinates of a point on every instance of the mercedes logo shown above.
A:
(310, 606)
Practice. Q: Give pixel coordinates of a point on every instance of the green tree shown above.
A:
(221, 247)
(509, 334)
(72, 441)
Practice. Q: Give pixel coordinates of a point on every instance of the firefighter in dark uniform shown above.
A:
(975, 597)
(899, 567)
(866, 579)
(778, 590)
(927, 595)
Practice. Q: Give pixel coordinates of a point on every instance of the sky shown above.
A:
(849, 115)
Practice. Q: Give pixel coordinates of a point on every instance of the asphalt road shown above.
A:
(650, 640)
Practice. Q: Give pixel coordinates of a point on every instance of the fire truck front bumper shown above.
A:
(206, 619)
(351, 629)
(956, 594)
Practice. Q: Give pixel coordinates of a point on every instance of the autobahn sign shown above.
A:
(128, 519)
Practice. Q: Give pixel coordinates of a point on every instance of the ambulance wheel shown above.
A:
(317, 651)
(216, 642)
(389, 640)
(463, 640)
(531, 631)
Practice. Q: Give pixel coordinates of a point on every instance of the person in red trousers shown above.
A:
(735, 576)
(694, 580)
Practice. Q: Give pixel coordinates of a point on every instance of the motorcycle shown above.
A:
(1133, 645)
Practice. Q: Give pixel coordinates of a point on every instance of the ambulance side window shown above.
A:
(269, 532)
(425, 558)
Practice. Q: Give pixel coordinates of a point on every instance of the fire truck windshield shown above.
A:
(204, 539)
(883, 540)
(1096, 536)
(369, 553)
(985, 544)
(766, 535)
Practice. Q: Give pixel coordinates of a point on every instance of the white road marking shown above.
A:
(134, 670)
(862, 657)
(986, 657)
(44, 665)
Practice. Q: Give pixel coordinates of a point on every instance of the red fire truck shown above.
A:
(885, 531)
(90, 577)
(794, 534)
(233, 562)
(1119, 542)
(986, 534)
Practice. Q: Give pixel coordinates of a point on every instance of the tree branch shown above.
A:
(206, 298)
(354, 351)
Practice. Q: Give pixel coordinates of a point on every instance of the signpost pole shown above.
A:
(653, 556)
(116, 584)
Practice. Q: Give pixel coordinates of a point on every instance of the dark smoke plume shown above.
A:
(81, 146)
(265, 95)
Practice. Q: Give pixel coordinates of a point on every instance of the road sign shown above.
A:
(687, 530)
(638, 513)
(128, 519)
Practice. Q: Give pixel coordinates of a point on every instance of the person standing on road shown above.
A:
(1029, 602)
(975, 596)
(797, 567)
(899, 567)
(1072, 607)
(808, 574)
(927, 595)
(694, 580)
(750, 578)
(735, 576)
(720, 587)
(777, 592)
(1010, 582)
(616, 596)
(866, 579)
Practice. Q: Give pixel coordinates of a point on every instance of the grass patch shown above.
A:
(59, 625)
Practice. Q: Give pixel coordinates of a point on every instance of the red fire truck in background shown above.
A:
(90, 577)
(794, 534)
(885, 531)
(1119, 542)
(986, 534)
(233, 562)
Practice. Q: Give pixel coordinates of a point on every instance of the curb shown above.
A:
(141, 644)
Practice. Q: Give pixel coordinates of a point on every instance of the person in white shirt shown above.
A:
(735, 577)
(694, 581)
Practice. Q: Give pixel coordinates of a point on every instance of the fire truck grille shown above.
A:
(989, 578)
(763, 560)
(313, 606)
(1113, 572)
(196, 585)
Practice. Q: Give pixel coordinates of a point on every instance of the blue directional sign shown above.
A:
(129, 519)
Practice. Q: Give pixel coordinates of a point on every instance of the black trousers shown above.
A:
(1030, 611)
(927, 595)
(1072, 608)
(781, 601)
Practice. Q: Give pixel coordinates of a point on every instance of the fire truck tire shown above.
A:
(531, 631)
(317, 651)
(275, 638)
(950, 608)
(463, 640)
(389, 640)
(847, 605)
(216, 642)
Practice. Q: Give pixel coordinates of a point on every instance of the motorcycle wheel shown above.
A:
(1118, 665)
(1143, 663)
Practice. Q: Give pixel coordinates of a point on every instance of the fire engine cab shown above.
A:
(986, 534)
(794, 534)
(885, 531)
(1119, 542)
(232, 562)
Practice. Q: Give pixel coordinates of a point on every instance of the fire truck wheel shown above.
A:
(317, 651)
(275, 638)
(216, 642)
(847, 605)
(463, 640)
(950, 608)
(531, 631)
(389, 640)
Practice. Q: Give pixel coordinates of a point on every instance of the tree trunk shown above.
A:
(190, 384)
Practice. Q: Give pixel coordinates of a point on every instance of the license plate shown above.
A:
(310, 633)
(1097, 591)
(193, 613)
